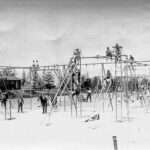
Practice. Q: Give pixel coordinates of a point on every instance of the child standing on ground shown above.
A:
(20, 104)
(89, 93)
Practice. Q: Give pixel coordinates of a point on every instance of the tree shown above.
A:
(133, 84)
(8, 72)
(96, 83)
(86, 84)
(144, 81)
(49, 80)
(23, 77)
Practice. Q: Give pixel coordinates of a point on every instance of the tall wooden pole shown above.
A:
(71, 95)
(30, 91)
(116, 101)
(115, 142)
(64, 102)
(80, 87)
(127, 90)
(103, 74)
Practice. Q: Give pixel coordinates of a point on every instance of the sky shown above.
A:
(50, 30)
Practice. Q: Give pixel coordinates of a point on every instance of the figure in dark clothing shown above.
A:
(79, 76)
(20, 104)
(89, 95)
(77, 92)
(74, 79)
(5, 99)
(46, 103)
(108, 53)
(43, 100)
(108, 77)
(117, 48)
(131, 59)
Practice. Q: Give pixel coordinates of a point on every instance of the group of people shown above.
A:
(117, 53)
(20, 101)
(5, 97)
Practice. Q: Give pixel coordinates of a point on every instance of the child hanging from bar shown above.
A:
(108, 78)
(75, 78)
(76, 92)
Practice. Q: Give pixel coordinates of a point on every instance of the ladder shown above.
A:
(99, 105)
(71, 68)
(132, 71)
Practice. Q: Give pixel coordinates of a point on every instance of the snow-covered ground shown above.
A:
(28, 132)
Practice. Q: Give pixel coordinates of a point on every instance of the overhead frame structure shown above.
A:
(55, 68)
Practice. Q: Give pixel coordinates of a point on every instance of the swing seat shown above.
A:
(93, 118)
(81, 98)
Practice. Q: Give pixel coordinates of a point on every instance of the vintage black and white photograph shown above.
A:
(74, 74)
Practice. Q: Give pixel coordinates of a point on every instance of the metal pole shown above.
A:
(10, 109)
(103, 74)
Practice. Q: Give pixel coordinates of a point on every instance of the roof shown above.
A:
(10, 78)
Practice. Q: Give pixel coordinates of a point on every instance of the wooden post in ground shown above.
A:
(10, 109)
(121, 90)
(103, 75)
(127, 88)
(64, 102)
(10, 114)
(30, 92)
(76, 107)
(115, 142)
(80, 89)
(5, 110)
(116, 94)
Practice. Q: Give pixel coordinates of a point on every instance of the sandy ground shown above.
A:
(28, 132)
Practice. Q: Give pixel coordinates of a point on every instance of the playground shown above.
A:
(64, 132)
(88, 103)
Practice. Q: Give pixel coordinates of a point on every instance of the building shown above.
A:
(10, 83)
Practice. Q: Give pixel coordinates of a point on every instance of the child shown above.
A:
(20, 104)
(89, 95)
(108, 53)
(43, 100)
